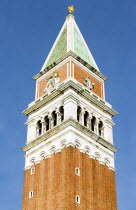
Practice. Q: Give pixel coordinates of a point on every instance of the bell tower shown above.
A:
(69, 160)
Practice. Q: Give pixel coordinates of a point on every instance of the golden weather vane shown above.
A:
(71, 9)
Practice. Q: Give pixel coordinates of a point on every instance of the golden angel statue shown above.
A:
(71, 9)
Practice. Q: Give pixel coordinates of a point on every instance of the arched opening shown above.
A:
(100, 128)
(61, 111)
(86, 116)
(54, 118)
(39, 128)
(46, 120)
(79, 110)
(93, 121)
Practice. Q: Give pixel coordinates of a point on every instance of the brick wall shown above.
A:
(55, 184)
(79, 74)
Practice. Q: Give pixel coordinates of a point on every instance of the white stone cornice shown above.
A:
(47, 156)
(27, 167)
(110, 122)
(37, 162)
(72, 97)
(70, 144)
(102, 162)
(57, 151)
(82, 150)
(74, 85)
(30, 121)
(92, 156)
(112, 168)
(99, 156)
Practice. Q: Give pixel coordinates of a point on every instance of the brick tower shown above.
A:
(69, 161)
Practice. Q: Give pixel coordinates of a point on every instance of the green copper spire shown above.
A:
(60, 48)
(70, 39)
(80, 48)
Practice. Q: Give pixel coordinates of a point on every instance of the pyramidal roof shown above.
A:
(70, 39)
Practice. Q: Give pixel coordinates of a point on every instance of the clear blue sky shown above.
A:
(28, 29)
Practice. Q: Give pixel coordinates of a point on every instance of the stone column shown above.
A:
(43, 126)
(50, 121)
(70, 109)
(58, 116)
(90, 122)
(82, 117)
(102, 132)
(96, 129)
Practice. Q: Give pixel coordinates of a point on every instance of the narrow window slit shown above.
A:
(32, 170)
(77, 171)
(31, 194)
(77, 199)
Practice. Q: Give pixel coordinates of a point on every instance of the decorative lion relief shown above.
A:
(52, 81)
(88, 83)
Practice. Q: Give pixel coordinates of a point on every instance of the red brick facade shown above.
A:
(55, 183)
(62, 71)
(77, 73)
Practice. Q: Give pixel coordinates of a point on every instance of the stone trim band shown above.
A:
(53, 150)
